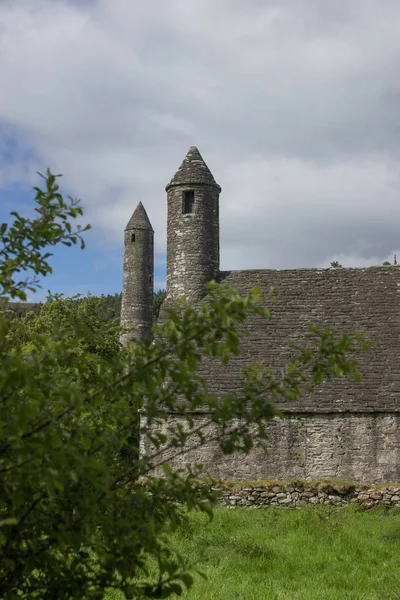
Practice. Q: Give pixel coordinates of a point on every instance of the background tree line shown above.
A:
(111, 306)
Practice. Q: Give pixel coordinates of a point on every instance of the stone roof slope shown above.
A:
(139, 219)
(344, 299)
(193, 170)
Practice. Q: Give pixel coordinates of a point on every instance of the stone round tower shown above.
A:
(137, 287)
(192, 229)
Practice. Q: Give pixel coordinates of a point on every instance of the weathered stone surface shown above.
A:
(306, 446)
(137, 286)
(366, 498)
(192, 239)
(193, 170)
(343, 299)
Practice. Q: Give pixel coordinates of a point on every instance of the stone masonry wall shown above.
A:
(137, 286)
(192, 242)
(362, 447)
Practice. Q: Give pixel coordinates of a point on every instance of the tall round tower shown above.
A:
(137, 287)
(192, 229)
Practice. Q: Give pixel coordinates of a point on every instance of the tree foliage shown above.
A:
(111, 306)
(23, 243)
(76, 519)
(336, 265)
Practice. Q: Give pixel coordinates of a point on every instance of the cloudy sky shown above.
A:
(294, 105)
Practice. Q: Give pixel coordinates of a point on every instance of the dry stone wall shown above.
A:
(297, 495)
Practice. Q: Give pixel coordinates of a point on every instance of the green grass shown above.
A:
(282, 554)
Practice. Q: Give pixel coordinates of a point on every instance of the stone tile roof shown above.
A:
(139, 219)
(344, 299)
(193, 170)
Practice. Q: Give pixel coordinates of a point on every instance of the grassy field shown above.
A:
(316, 553)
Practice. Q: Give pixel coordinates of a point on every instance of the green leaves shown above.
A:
(22, 243)
(330, 355)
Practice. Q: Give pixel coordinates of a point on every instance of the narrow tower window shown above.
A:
(188, 202)
(132, 237)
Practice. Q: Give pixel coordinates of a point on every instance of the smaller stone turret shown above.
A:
(137, 287)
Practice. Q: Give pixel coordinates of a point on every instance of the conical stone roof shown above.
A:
(193, 170)
(139, 219)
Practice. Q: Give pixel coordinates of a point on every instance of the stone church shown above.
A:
(347, 431)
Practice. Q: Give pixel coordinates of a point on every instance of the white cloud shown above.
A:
(293, 103)
(292, 213)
